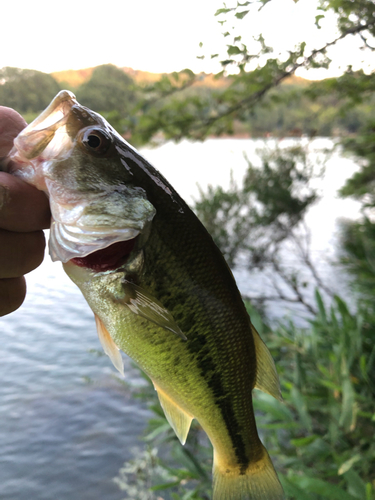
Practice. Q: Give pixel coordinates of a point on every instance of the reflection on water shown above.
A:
(66, 423)
(68, 444)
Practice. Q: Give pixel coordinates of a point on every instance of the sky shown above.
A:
(152, 35)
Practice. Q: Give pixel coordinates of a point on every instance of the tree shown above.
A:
(108, 89)
(260, 222)
(26, 90)
(358, 237)
(250, 74)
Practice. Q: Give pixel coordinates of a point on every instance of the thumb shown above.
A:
(11, 124)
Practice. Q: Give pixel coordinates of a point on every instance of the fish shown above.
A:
(159, 287)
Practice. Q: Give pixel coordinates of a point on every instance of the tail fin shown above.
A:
(259, 482)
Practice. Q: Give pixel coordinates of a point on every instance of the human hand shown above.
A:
(24, 212)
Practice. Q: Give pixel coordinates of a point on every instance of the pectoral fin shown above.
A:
(178, 419)
(109, 347)
(267, 379)
(143, 303)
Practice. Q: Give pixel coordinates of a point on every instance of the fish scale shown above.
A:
(171, 302)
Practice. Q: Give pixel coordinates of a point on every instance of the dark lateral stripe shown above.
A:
(210, 372)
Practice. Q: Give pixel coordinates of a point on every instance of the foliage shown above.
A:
(271, 202)
(26, 90)
(262, 221)
(362, 184)
(253, 71)
(288, 110)
(353, 15)
(357, 250)
(321, 437)
(357, 243)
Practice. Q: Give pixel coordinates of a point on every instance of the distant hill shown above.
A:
(73, 78)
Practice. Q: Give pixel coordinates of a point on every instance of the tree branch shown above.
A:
(252, 99)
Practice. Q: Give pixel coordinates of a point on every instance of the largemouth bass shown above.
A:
(159, 287)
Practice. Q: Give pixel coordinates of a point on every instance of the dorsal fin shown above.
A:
(178, 419)
(267, 379)
(109, 347)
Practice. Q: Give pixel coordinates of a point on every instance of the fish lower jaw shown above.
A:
(68, 242)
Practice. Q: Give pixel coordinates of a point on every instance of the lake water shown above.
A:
(66, 421)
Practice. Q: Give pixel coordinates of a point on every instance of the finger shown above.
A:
(12, 294)
(11, 124)
(20, 253)
(22, 206)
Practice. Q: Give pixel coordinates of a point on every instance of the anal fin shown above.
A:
(267, 379)
(178, 419)
(109, 347)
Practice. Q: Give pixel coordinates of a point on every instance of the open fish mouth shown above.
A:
(85, 219)
(108, 258)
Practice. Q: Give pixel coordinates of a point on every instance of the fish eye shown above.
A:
(96, 141)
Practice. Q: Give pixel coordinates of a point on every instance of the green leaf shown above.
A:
(188, 495)
(233, 50)
(272, 407)
(369, 492)
(164, 486)
(291, 490)
(322, 309)
(301, 407)
(192, 462)
(344, 467)
(317, 19)
(303, 441)
(363, 367)
(320, 487)
(281, 425)
(222, 11)
(330, 385)
(241, 15)
(348, 413)
(356, 486)
(159, 430)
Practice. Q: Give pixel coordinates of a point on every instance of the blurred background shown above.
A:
(261, 115)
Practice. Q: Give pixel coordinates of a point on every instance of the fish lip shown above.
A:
(31, 146)
(49, 137)
(63, 115)
(62, 102)
(67, 242)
